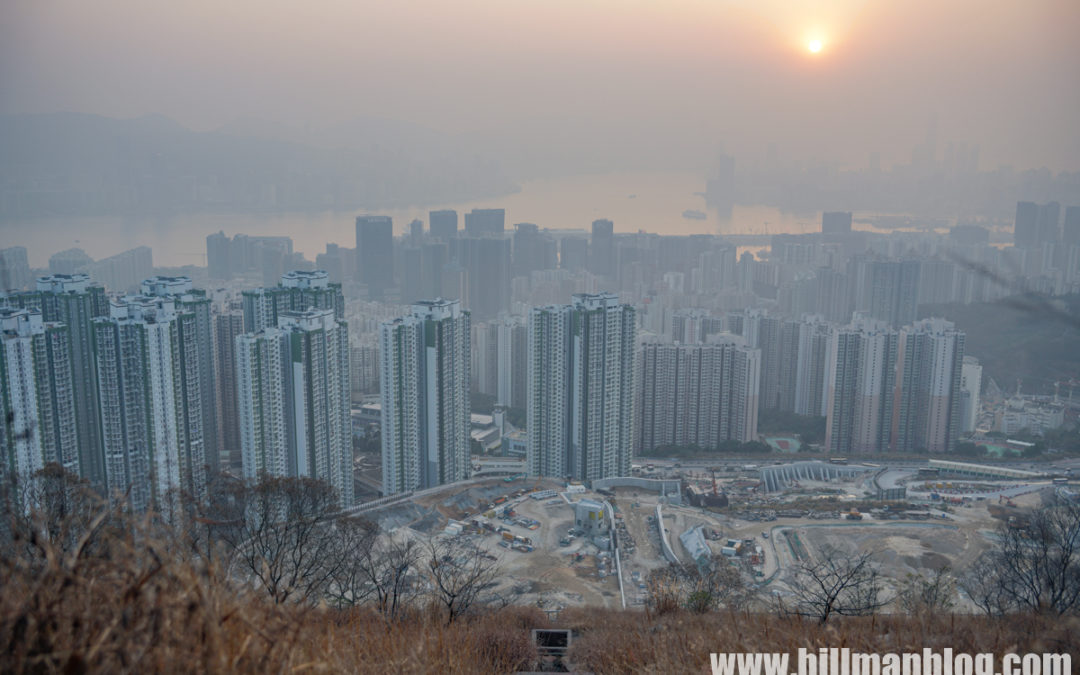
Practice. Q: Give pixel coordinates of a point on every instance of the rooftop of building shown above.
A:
(305, 279)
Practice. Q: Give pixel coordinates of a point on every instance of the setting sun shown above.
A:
(814, 46)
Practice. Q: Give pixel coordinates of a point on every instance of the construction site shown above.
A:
(562, 544)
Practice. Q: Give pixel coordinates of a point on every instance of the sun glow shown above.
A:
(814, 46)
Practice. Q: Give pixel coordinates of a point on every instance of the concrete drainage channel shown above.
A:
(552, 647)
(615, 547)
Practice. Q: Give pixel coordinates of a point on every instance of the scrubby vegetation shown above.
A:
(133, 607)
(1028, 338)
(86, 587)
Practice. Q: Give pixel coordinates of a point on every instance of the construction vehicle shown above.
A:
(854, 514)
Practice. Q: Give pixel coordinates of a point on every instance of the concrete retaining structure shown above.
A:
(665, 546)
(670, 488)
(693, 540)
(776, 478)
(378, 503)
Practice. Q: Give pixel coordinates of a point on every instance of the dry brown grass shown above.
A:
(132, 606)
(680, 642)
(171, 624)
(126, 604)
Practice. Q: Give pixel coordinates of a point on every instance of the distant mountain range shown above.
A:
(73, 164)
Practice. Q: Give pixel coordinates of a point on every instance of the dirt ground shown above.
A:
(549, 575)
(553, 576)
(900, 547)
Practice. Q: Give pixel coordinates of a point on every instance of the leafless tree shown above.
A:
(54, 511)
(1036, 565)
(922, 595)
(837, 583)
(215, 520)
(353, 541)
(388, 570)
(284, 541)
(699, 588)
(982, 584)
(459, 573)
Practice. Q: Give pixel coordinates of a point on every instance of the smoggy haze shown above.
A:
(595, 84)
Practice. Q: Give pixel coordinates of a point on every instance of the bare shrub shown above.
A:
(699, 588)
(64, 509)
(1035, 567)
(131, 597)
(836, 583)
(664, 590)
(353, 542)
(389, 568)
(934, 593)
(284, 540)
(459, 573)
(981, 581)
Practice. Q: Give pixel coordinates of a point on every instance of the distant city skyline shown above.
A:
(599, 340)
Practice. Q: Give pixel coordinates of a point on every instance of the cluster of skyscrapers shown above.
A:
(144, 395)
(117, 389)
(697, 395)
(579, 392)
(880, 388)
(146, 392)
(897, 390)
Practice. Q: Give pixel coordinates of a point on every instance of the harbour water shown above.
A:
(650, 202)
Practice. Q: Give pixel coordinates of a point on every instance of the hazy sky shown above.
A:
(665, 78)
